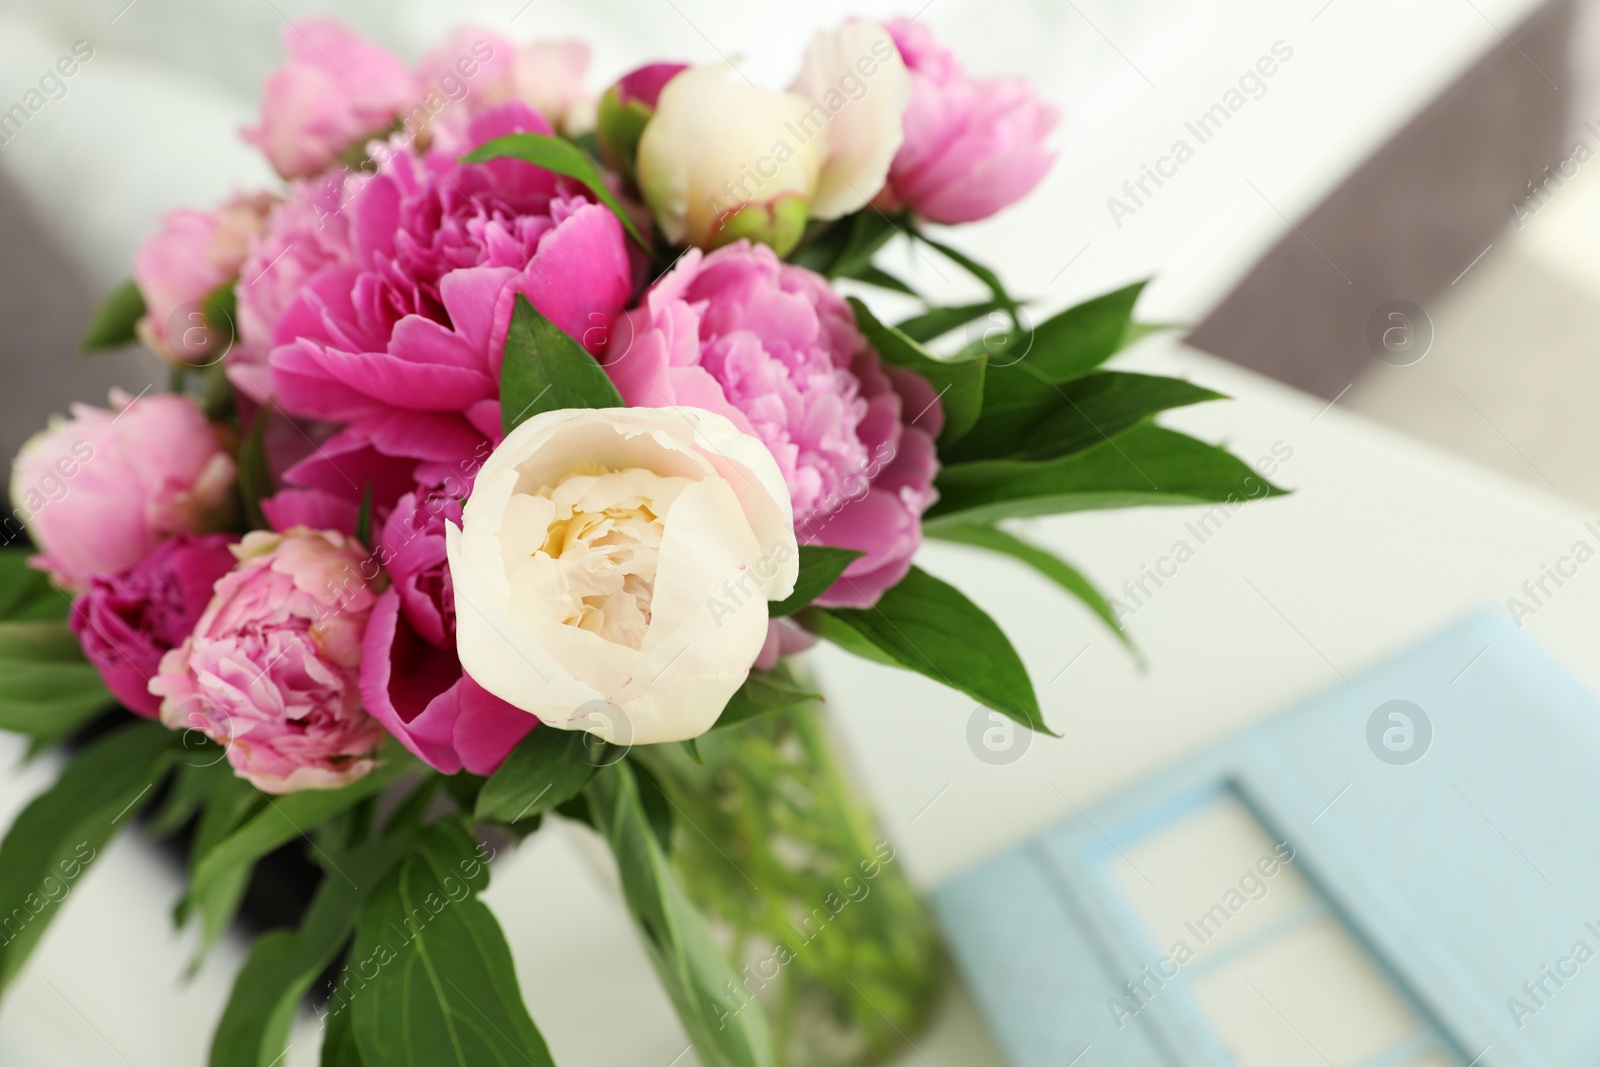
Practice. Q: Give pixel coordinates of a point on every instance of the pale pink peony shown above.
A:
(305, 234)
(411, 676)
(101, 490)
(127, 622)
(193, 254)
(776, 350)
(972, 145)
(475, 69)
(335, 91)
(399, 334)
(271, 670)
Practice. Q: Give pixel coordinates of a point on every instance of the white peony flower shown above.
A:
(723, 159)
(613, 567)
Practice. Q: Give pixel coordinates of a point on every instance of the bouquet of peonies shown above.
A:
(517, 436)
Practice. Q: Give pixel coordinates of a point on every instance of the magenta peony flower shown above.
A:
(773, 348)
(411, 676)
(102, 490)
(127, 622)
(972, 145)
(271, 669)
(335, 91)
(399, 334)
(193, 254)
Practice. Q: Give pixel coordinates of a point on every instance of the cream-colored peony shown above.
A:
(723, 159)
(613, 567)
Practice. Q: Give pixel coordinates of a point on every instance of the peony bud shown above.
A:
(717, 145)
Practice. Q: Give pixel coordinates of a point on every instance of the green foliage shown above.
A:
(958, 382)
(62, 830)
(254, 1031)
(559, 157)
(430, 981)
(820, 567)
(545, 370)
(927, 626)
(255, 477)
(696, 975)
(114, 321)
(765, 693)
(547, 768)
(1046, 563)
(1143, 465)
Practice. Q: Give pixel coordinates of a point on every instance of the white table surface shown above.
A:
(1384, 540)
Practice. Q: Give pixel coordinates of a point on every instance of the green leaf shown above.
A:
(443, 991)
(882, 279)
(282, 820)
(936, 322)
(26, 595)
(339, 1047)
(1046, 563)
(844, 248)
(657, 805)
(1142, 466)
(364, 518)
(545, 370)
(255, 477)
(228, 802)
(47, 688)
(254, 1030)
(727, 1030)
(559, 157)
(61, 831)
(1058, 420)
(927, 626)
(988, 277)
(959, 383)
(547, 767)
(820, 567)
(113, 324)
(1081, 338)
(866, 232)
(763, 693)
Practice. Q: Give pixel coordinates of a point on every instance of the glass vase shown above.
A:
(819, 919)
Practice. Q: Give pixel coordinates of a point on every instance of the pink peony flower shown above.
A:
(476, 69)
(399, 335)
(335, 91)
(193, 254)
(127, 622)
(102, 490)
(776, 350)
(972, 145)
(303, 235)
(411, 676)
(271, 669)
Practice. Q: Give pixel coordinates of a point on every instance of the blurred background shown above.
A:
(1388, 250)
